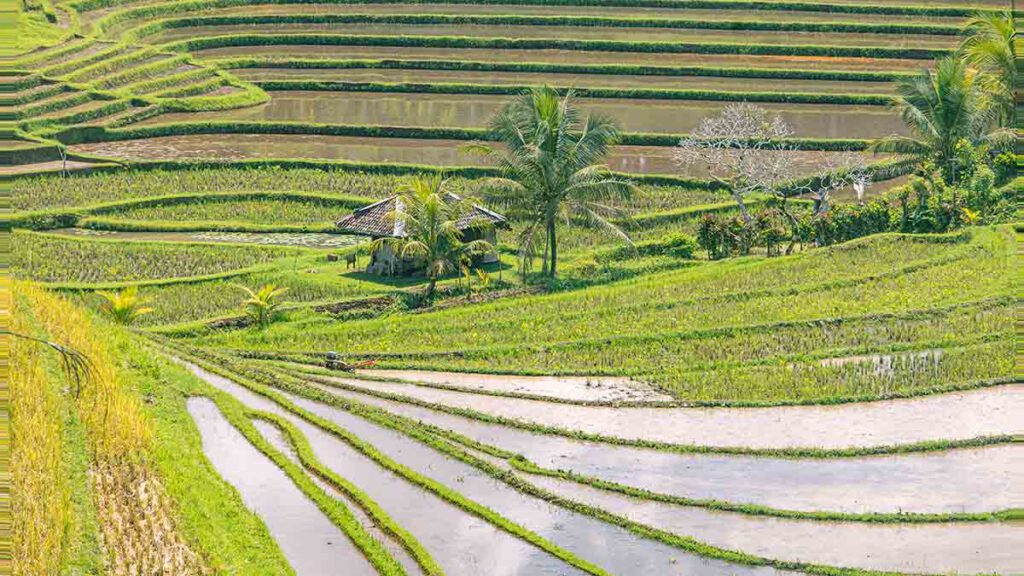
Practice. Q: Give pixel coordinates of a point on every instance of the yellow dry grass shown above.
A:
(41, 500)
(139, 535)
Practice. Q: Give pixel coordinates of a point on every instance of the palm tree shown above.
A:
(988, 45)
(124, 307)
(262, 304)
(942, 109)
(552, 168)
(430, 218)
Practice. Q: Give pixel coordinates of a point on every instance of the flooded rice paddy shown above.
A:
(612, 548)
(600, 389)
(963, 548)
(960, 415)
(309, 540)
(568, 56)
(625, 81)
(967, 480)
(476, 111)
(633, 159)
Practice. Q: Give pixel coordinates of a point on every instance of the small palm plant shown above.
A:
(124, 307)
(262, 305)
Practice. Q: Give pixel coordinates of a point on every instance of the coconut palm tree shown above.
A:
(430, 218)
(262, 304)
(988, 45)
(124, 307)
(943, 108)
(552, 166)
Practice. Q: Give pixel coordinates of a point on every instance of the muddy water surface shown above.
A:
(312, 544)
(969, 480)
(476, 111)
(991, 411)
(460, 542)
(570, 56)
(612, 548)
(610, 33)
(632, 159)
(988, 547)
(276, 437)
(607, 389)
(562, 80)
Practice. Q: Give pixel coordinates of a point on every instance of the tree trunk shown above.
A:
(554, 246)
(794, 226)
(428, 296)
(743, 207)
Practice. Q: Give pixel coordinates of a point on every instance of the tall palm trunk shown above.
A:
(553, 247)
(428, 296)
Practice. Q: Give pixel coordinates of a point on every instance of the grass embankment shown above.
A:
(70, 261)
(462, 42)
(874, 276)
(786, 97)
(272, 62)
(132, 510)
(151, 27)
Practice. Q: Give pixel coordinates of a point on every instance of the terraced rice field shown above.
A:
(207, 377)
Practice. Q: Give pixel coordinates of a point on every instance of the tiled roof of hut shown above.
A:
(375, 220)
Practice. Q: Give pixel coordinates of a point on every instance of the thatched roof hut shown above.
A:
(378, 221)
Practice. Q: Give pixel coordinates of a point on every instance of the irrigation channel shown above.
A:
(682, 494)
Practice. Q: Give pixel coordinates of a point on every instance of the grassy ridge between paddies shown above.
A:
(610, 93)
(69, 260)
(242, 62)
(154, 27)
(138, 481)
(457, 42)
(94, 134)
(269, 209)
(878, 275)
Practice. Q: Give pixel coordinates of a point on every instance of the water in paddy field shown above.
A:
(974, 480)
(468, 545)
(476, 111)
(310, 541)
(961, 415)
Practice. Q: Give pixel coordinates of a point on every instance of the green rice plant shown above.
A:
(66, 259)
(237, 62)
(888, 274)
(262, 211)
(620, 93)
(233, 40)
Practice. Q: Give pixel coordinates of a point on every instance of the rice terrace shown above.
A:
(511, 287)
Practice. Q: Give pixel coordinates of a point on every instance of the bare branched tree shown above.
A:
(748, 151)
(743, 149)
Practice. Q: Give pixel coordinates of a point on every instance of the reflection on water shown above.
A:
(959, 547)
(976, 480)
(632, 159)
(461, 543)
(312, 544)
(476, 111)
